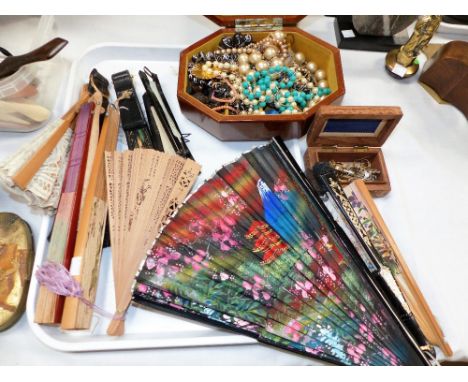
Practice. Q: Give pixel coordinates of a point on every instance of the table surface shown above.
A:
(425, 157)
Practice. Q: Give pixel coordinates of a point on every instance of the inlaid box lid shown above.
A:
(353, 125)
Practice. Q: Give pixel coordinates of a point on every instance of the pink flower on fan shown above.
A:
(165, 253)
(159, 262)
(246, 285)
(159, 252)
(240, 323)
(223, 235)
(308, 244)
(229, 220)
(174, 255)
(355, 352)
(255, 294)
(329, 272)
(201, 254)
(303, 288)
(293, 330)
(197, 260)
(197, 227)
(233, 200)
(375, 319)
(280, 186)
(166, 294)
(258, 280)
(196, 267)
(390, 356)
(325, 239)
(365, 332)
(163, 260)
(281, 190)
(223, 276)
(150, 262)
(256, 288)
(174, 268)
(312, 253)
(312, 351)
(142, 288)
(178, 307)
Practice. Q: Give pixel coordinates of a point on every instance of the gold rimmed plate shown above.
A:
(16, 261)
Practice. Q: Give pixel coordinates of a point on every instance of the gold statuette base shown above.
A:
(397, 70)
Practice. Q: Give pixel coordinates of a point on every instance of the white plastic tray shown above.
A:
(144, 328)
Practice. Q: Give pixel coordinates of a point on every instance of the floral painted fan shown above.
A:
(254, 251)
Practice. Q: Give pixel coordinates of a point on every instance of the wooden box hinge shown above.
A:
(361, 149)
(330, 147)
(260, 24)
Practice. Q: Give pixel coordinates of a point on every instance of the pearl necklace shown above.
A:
(251, 73)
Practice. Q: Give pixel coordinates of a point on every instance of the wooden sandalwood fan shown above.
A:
(144, 187)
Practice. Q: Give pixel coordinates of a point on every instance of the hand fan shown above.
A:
(144, 187)
(49, 306)
(44, 188)
(390, 255)
(357, 207)
(36, 171)
(254, 251)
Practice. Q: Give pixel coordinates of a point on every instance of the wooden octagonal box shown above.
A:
(259, 127)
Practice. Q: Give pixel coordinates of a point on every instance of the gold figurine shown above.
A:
(401, 63)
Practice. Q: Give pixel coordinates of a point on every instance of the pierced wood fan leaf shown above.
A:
(173, 204)
(186, 178)
(144, 187)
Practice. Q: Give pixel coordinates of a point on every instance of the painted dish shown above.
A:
(16, 261)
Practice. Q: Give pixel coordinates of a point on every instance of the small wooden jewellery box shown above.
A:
(353, 134)
(228, 127)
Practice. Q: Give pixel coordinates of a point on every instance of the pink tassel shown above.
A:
(56, 278)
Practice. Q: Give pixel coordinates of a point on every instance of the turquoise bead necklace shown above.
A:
(275, 88)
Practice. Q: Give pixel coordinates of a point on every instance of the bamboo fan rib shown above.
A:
(144, 187)
(252, 250)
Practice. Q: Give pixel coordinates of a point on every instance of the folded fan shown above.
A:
(44, 189)
(390, 254)
(35, 172)
(254, 251)
(144, 187)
